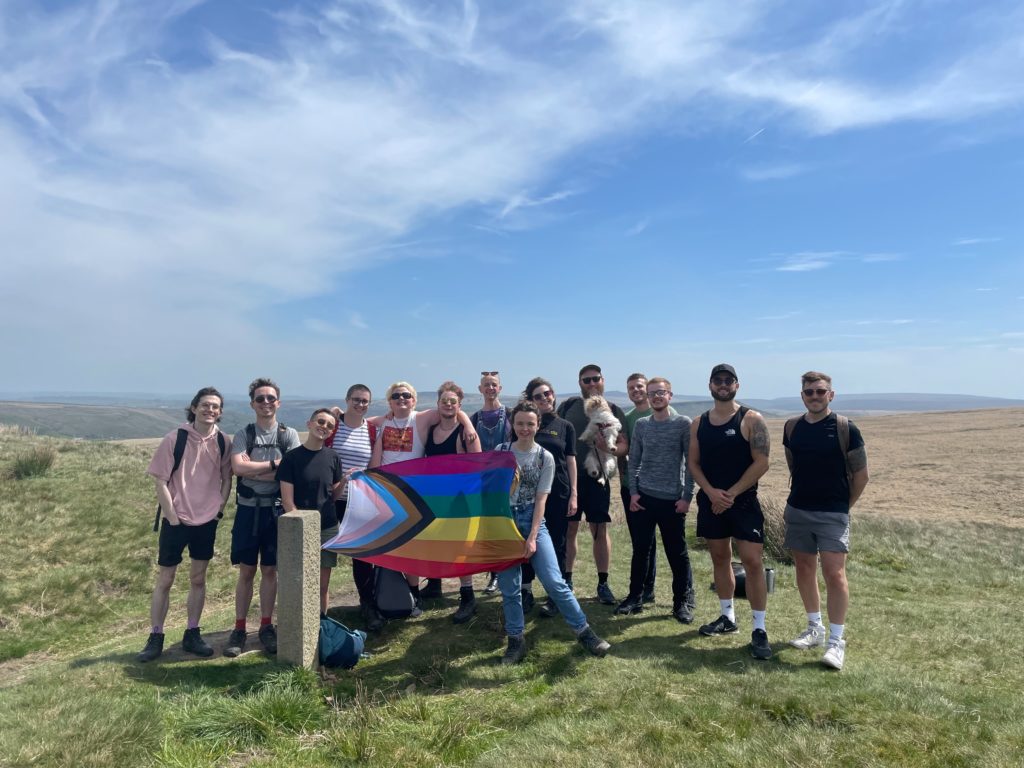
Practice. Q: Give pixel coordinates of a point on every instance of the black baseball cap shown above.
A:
(589, 367)
(724, 368)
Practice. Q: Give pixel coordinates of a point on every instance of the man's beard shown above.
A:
(731, 396)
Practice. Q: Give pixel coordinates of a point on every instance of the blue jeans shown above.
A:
(545, 565)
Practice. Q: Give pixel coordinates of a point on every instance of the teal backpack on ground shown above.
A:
(339, 645)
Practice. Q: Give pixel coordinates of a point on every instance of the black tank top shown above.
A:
(724, 452)
(447, 448)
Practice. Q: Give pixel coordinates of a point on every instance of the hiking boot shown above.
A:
(528, 600)
(592, 642)
(193, 642)
(432, 591)
(371, 617)
(549, 609)
(723, 625)
(630, 605)
(492, 585)
(604, 594)
(835, 654)
(516, 650)
(467, 606)
(811, 637)
(154, 647)
(759, 647)
(648, 595)
(268, 636)
(682, 612)
(236, 643)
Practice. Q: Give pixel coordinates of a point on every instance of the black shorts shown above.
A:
(594, 500)
(743, 520)
(174, 539)
(254, 535)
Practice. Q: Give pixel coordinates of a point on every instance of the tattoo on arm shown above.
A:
(760, 442)
(857, 459)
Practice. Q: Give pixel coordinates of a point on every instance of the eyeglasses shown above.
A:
(208, 407)
(449, 401)
(819, 391)
(591, 379)
(658, 392)
(265, 399)
(325, 423)
(547, 394)
(401, 395)
(727, 381)
(359, 401)
(488, 373)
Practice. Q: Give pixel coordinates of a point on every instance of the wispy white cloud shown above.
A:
(773, 172)
(976, 240)
(783, 316)
(639, 227)
(897, 321)
(879, 258)
(809, 261)
(355, 319)
(985, 290)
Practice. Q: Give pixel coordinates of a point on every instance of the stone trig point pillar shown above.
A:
(298, 587)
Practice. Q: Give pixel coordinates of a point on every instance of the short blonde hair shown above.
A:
(660, 380)
(399, 385)
(812, 376)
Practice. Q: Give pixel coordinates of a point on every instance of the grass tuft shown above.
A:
(35, 462)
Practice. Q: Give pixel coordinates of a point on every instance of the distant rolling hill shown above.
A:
(94, 417)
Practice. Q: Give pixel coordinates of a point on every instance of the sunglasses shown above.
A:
(591, 379)
(488, 373)
(265, 399)
(359, 401)
(727, 381)
(819, 391)
(547, 394)
(449, 401)
(401, 395)
(325, 423)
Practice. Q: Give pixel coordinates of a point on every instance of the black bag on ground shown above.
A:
(394, 598)
(339, 646)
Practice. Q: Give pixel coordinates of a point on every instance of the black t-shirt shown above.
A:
(313, 474)
(558, 437)
(819, 466)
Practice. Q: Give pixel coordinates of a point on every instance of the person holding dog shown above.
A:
(594, 501)
(728, 454)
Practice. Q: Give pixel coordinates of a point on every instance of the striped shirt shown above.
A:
(352, 444)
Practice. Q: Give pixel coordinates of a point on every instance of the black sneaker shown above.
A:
(467, 606)
(516, 650)
(759, 647)
(268, 636)
(630, 605)
(604, 594)
(683, 613)
(154, 647)
(528, 600)
(432, 591)
(492, 585)
(236, 643)
(371, 617)
(592, 642)
(193, 642)
(648, 595)
(720, 626)
(549, 609)
(417, 609)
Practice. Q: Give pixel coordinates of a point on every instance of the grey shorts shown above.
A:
(817, 531)
(328, 559)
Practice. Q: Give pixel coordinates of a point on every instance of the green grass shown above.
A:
(933, 674)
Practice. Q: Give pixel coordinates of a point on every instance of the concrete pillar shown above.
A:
(298, 587)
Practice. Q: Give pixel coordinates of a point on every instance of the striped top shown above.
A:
(353, 448)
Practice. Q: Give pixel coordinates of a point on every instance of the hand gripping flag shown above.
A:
(436, 517)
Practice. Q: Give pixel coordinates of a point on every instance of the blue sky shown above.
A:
(330, 192)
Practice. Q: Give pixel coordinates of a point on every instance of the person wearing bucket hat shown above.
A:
(729, 447)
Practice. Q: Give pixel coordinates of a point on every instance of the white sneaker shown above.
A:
(811, 637)
(834, 654)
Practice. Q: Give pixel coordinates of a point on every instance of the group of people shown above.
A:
(661, 455)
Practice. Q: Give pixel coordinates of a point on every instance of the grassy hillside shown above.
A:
(933, 675)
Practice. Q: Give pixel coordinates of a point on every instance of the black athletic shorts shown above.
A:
(254, 535)
(594, 500)
(743, 520)
(174, 539)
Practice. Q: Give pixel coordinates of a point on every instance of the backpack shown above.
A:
(842, 432)
(250, 439)
(339, 645)
(370, 427)
(179, 452)
(394, 598)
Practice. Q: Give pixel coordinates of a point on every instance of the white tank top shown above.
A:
(400, 440)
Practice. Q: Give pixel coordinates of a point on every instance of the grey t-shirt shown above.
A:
(536, 473)
(658, 458)
(265, 449)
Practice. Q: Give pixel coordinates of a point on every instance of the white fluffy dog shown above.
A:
(603, 428)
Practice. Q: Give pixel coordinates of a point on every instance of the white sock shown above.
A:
(835, 631)
(814, 619)
(759, 619)
(728, 610)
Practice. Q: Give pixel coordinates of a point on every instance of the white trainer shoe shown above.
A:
(834, 654)
(811, 637)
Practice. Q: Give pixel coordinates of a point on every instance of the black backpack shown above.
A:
(179, 451)
(394, 598)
